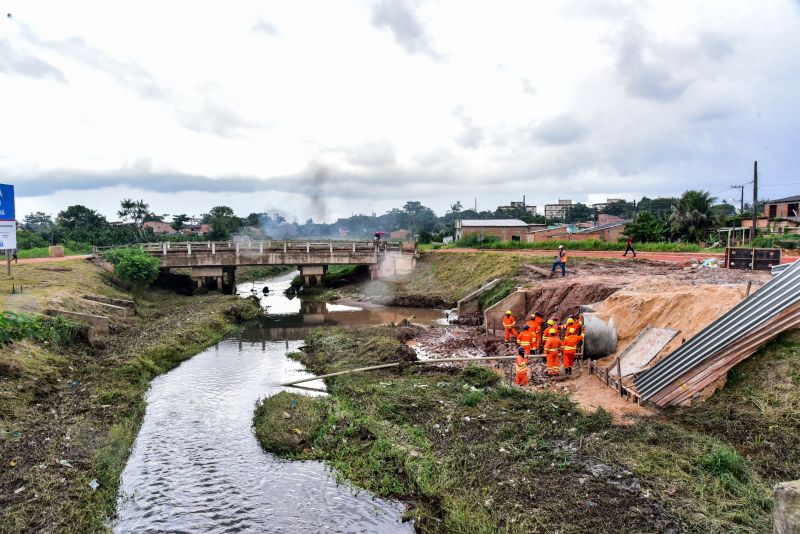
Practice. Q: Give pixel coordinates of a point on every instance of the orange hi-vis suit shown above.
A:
(522, 371)
(551, 351)
(526, 340)
(570, 346)
(509, 325)
(535, 324)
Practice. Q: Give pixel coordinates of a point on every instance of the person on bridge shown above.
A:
(522, 368)
(551, 352)
(509, 325)
(570, 346)
(526, 339)
(561, 260)
(629, 246)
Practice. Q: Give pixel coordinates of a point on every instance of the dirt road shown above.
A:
(47, 260)
(669, 257)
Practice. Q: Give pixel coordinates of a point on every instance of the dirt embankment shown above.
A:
(68, 417)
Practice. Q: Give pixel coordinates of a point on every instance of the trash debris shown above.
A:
(19, 490)
(65, 463)
(711, 263)
(12, 463)
(94, 484)
(286, 415)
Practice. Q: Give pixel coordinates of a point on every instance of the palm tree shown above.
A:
(691, 217)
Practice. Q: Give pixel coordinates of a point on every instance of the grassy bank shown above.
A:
(468, 453)
(260, 272)
(576, 244)
(69, 416)
(43, 252)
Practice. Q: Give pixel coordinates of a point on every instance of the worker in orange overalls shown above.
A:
(551, 324)
(551, 352)
(522, 368)
(526, 339)
(509, 325)
(570, 346)
(535, 322)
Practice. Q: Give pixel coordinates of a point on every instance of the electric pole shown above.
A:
(741, 202)
(755, 201)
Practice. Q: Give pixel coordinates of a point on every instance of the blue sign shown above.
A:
(7, 203)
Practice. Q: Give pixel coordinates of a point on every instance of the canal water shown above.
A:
(196, 466)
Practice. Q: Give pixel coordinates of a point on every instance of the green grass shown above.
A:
(42, 252)
(260, 272)
(573, 244)
(476, 455)
(503, 289)
(294, 419)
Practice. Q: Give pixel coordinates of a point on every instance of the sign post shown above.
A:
(8, 223)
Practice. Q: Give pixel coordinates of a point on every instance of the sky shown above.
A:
(327, 109)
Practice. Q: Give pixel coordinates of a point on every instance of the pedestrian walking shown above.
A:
(629, 246)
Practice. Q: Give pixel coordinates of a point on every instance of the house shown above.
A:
(547, 233)
(400, 234)
(505, 229)
(605, 218)
(516, 205)
(159, 227)
(600, 206)
(195, 229)
(606, 232)
(558, 211)
(783, 208)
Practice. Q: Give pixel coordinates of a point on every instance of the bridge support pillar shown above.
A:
(312, 274)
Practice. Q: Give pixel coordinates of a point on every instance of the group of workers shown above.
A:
(539, 338)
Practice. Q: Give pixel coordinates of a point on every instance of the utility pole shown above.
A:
(755, 201)
(741, 201)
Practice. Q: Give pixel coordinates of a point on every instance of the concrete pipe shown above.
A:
(601, 337)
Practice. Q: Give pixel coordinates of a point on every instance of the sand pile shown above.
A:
(687, 309)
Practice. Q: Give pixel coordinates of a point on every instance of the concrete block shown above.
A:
(111, 309)
(470, 305)
(98, 325)
(116, 302)
(56, 251)
(787, 508)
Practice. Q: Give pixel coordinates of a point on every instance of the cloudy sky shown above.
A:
(323, 109)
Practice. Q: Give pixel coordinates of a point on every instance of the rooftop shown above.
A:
(795, 198)
(493, 222)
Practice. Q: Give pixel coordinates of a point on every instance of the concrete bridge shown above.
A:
(217, 260)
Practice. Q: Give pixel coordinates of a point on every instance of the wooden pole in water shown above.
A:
(397, 364)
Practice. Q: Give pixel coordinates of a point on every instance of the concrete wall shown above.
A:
(787, 508)
(470, 304)
(393, 264)
(229, 258)
(505, 233)
(781, 209)
(546, 235)
(606, 235)
(493, 316)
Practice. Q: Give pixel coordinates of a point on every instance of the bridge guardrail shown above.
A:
(260, 247)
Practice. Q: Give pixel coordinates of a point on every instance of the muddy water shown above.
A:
(196, 466)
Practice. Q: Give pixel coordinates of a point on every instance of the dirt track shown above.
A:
(48, 260)
(669, 257)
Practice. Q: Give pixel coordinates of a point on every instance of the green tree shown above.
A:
(223, 222)
(647, 227)
(179, 221)
(135, 210)
(82, 224)
(580, 212)
(691, 218)
(41, 223)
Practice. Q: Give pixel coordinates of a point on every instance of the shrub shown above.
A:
(133, 266)
(56, 330)
(724, 461)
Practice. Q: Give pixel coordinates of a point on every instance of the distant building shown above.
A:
(400, 234)
(605, 218)
(159, 227)
(514, 206)
(605, 232)
(505, 229)
(343, 232)
(783, 208)
(195, 229)
(558, 211)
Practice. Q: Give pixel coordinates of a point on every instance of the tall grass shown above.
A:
(56, 330)
(492, 243)
(43, 252)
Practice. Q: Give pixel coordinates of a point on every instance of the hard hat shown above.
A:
(571, 330)
(570, 320)
(508, 312)
(560, 246)
(550, 322)
(552, 330)
(525, 327)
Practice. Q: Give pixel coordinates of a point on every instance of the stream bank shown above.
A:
(469, 452)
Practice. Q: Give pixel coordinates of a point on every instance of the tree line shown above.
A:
(690, 217)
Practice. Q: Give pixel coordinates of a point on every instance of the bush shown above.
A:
(724, 461)
(56, 330)
(27, 239)
(133, 266)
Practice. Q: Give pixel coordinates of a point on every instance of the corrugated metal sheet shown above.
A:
(744, 327)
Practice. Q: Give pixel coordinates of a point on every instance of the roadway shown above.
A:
(668, 257)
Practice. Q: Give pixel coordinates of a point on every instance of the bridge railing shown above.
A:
(270, 246)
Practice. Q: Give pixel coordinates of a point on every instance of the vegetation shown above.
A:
(85, 403)
(473, 454)
(647, 227)
(692, 217)
(493, 243)
(133, 266)
(56, 330)
(71, 249)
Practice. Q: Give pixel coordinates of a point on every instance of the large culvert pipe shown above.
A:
(601, 337)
